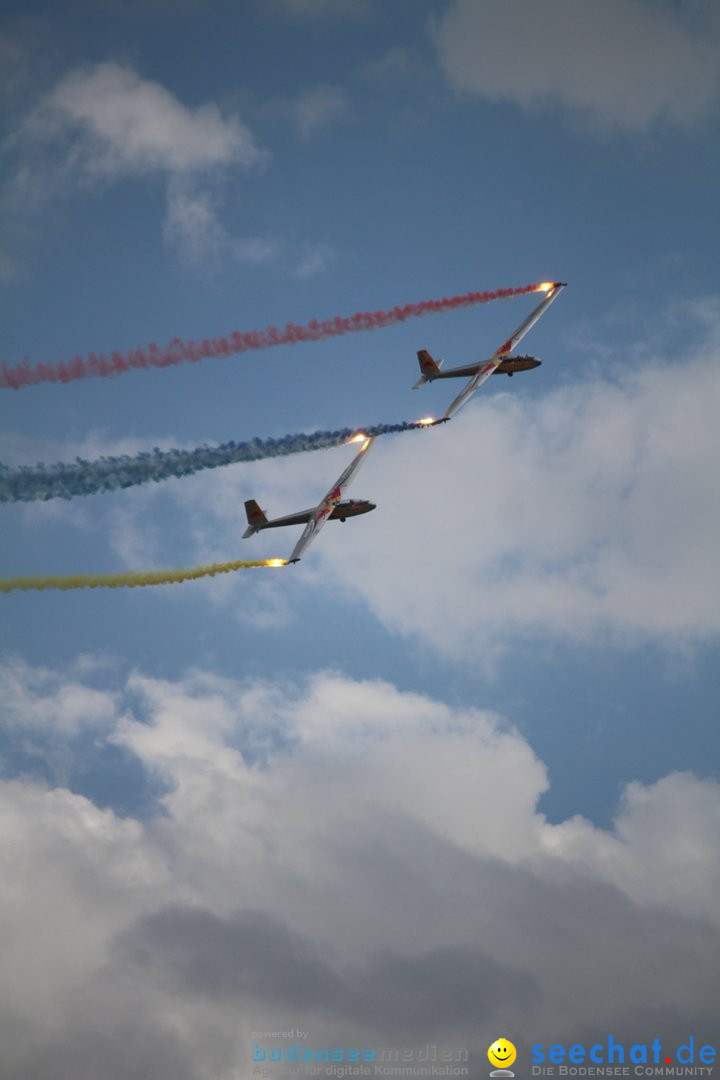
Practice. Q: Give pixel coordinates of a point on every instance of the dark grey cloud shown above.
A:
(346, 886)
(529, 949)
(112, 1043)
(249, 954)
(254, 956)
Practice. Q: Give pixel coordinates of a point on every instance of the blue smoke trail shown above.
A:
(64, 481)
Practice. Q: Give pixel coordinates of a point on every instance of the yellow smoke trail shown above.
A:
(131, 578)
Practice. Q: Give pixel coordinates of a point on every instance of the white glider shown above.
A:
(500, 363)
(332, 506)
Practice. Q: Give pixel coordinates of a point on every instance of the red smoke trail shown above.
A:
(180, 352)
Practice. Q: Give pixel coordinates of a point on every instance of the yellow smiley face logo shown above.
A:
(502, 1053)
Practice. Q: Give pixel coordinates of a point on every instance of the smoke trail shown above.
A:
(63, 481)
(132, 579)
(180, 352)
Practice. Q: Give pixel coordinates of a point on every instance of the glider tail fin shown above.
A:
(429, 369)
(256, 518)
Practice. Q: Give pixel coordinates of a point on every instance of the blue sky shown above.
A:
(512, 661)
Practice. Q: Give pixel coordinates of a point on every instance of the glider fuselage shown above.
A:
(506, 367)
(347, 508)
(500, 363)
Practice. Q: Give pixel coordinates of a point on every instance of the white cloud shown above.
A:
(658, 833)
(193, 228)
(622, 64)
(317, 108)
(118, 124)
(93, 872)
(369, 861)
(104, 124)
(313, 260)
(590, 510)
(41, 700)
(587, 512)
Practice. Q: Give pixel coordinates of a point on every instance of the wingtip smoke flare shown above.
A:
(180, 352)
(132, 579)
(29, 483)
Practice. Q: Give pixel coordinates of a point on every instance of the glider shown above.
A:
(331, 506)
(500, 363)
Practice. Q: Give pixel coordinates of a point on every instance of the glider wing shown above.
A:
(322, 512)
(487, 369)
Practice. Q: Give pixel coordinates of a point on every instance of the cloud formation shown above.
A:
(119, 124)
(588, 512)
(41, 700)
(368, 862)
(193, 228)
(104, 123)
(622, 65)
(317, 108)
